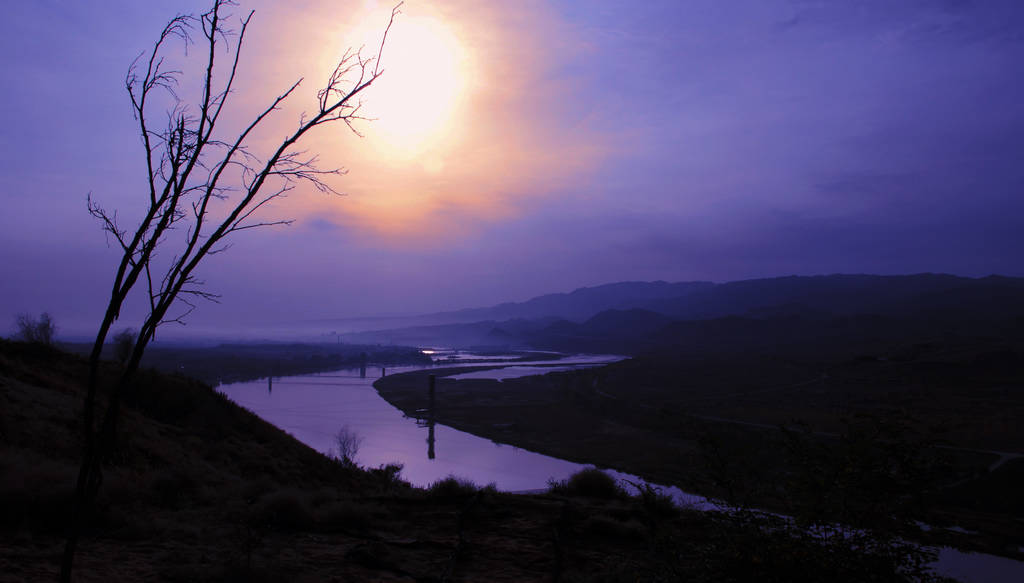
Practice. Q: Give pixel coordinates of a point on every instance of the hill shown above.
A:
(847, 295)
(837, 294)
(583, 303)
(765, 314)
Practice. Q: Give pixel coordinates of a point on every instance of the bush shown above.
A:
(39, 331)
(123, 342)
(389, 476)
(590, 482)
(455, 487)
(655, 503)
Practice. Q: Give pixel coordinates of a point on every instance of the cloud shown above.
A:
(513, 136)
(915, 21)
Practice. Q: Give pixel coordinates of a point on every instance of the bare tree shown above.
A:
(348, 442)
(202, 187)
(40, 331)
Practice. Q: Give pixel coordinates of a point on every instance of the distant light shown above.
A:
(428, 351)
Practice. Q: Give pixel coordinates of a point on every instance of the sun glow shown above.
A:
(467, 118)
(415, 101)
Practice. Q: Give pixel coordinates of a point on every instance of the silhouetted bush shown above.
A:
(123, 343)
(39, 331)
(389, 476)
(455, 487)
(590, 482)
(655, 503)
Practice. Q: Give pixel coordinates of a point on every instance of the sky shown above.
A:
(522, 148)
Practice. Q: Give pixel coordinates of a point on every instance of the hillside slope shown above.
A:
(202, 490)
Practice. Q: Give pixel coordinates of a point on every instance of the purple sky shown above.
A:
(585, 142)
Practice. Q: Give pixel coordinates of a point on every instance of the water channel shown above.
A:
(313, 408)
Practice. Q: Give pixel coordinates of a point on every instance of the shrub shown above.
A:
(454, 487)
(123, 342)
(655, 503)
(389, 475)
(39, 331)
(590, 482)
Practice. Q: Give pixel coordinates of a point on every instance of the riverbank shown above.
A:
(584, 417)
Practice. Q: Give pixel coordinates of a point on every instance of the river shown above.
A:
(313, 408)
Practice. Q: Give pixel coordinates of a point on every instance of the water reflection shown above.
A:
(427, 420)
(430, 418)
(312, 407)
(431, 438)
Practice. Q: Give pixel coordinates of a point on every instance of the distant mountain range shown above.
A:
(585, 302)
(640, 316)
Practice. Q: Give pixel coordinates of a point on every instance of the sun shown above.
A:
(415, 102)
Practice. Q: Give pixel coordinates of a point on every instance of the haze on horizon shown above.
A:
(536, 147)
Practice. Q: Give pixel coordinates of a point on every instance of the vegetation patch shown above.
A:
(454, 487)
(590, 482)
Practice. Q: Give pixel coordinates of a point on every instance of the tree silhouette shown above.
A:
(124, 343)
(40, 331)
(202, 187)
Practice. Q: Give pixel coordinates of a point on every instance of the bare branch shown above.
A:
(384, 39)
(186, 163)
(109, 222)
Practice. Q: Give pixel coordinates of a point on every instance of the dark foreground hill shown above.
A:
(202, 490)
